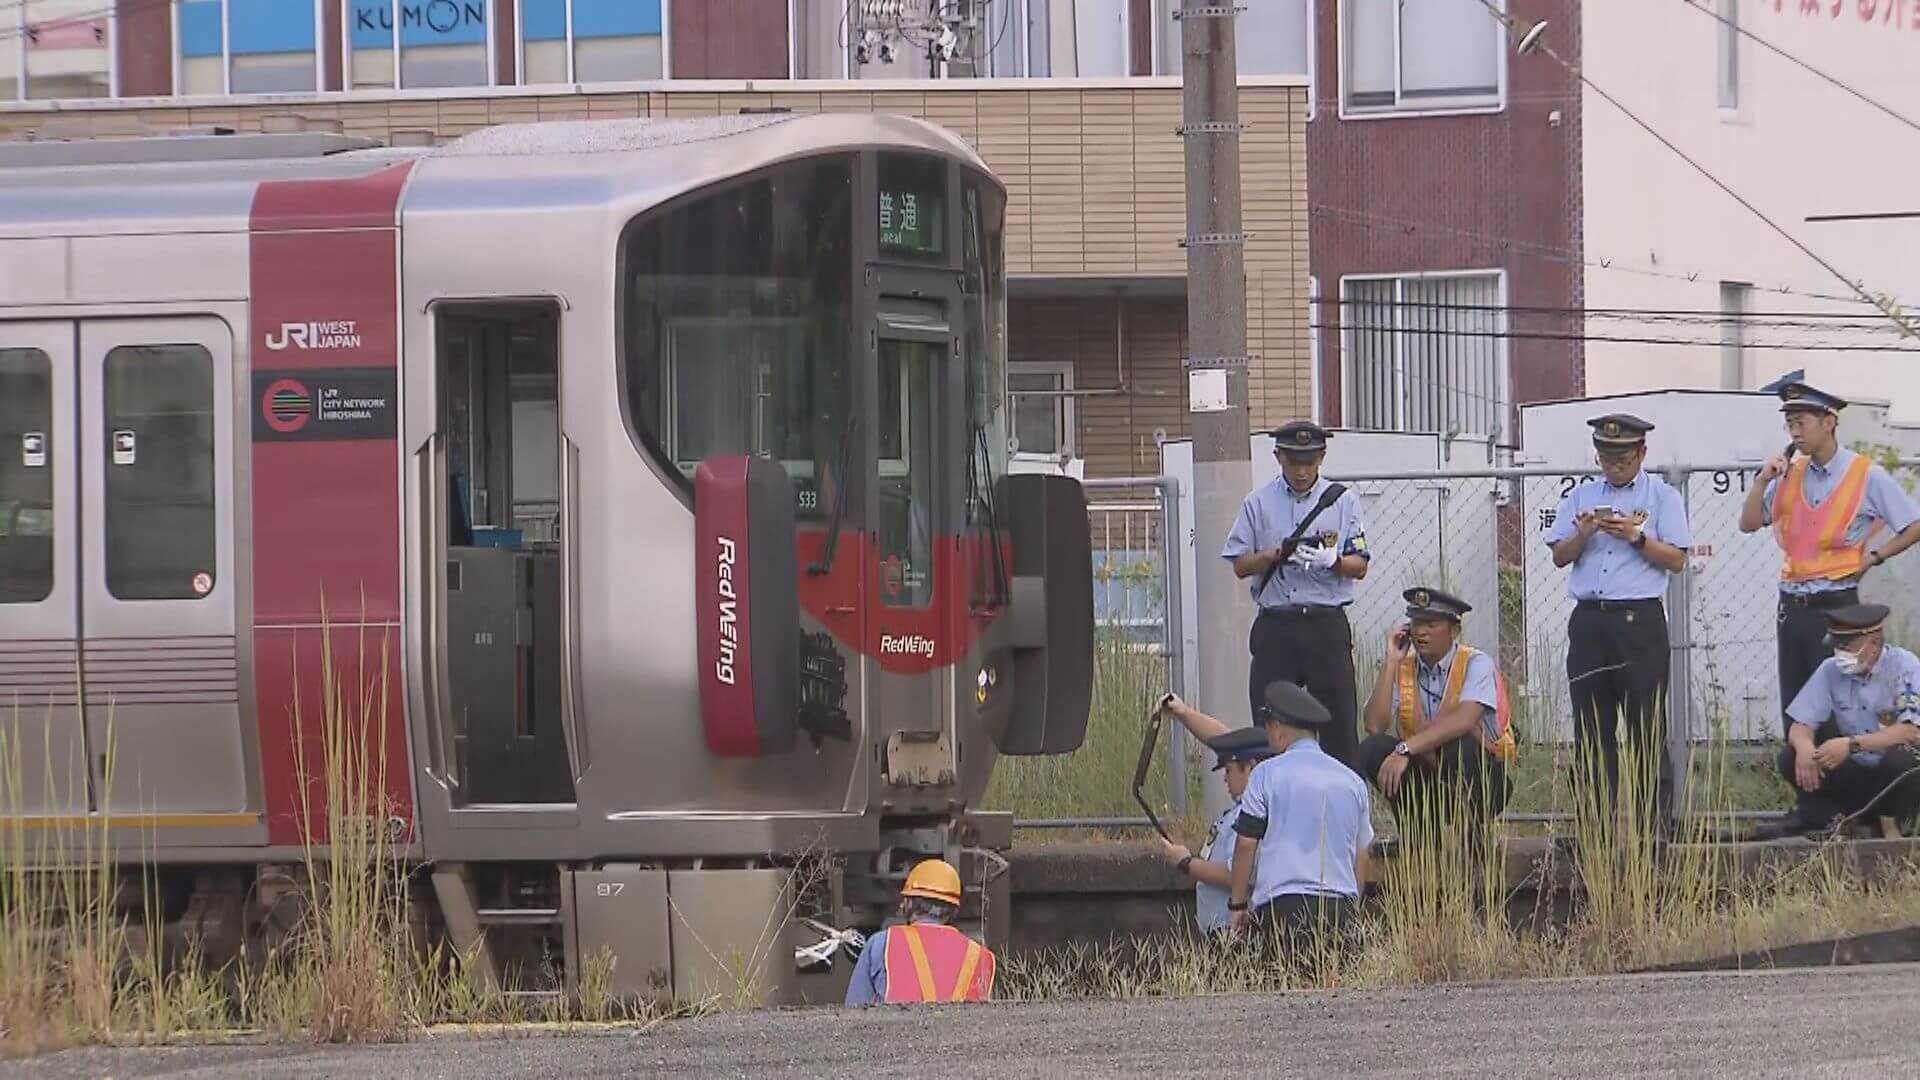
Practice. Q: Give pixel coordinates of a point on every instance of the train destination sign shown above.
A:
(910, 221)
(310, 406)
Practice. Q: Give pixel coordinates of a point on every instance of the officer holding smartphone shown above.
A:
(1622, 532)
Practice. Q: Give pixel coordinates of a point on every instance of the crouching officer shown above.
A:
(1437, 723)
(1301, 544)
(1622, 532)
(1306, 816)
(1237, 752)
(1851, 748)
(924, 960)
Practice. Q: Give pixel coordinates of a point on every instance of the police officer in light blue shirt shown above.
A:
(1300, 544)
(1305, 821)
(1855, 726)
(1822, 565)
(1237, 751)
(1622, 532)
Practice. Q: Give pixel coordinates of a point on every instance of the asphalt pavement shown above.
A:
(1831, 1022)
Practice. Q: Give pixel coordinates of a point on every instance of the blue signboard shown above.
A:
(546, 20)
(255, 27)
(422, 22)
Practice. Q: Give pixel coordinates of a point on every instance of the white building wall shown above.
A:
(1660, 237)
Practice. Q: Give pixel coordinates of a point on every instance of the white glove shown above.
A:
(1316, 558)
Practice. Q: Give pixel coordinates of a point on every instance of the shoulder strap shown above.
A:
(1327, 498)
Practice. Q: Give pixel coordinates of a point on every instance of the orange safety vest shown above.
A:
(931, 964)
(1503, 747)
(1813, 538)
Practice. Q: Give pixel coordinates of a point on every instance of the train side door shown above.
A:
(43, 748)
(159, 582)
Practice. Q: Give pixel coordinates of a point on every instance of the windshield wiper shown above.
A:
(997, 594)
(842, 483)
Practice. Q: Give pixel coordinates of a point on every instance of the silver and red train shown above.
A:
(638, 485)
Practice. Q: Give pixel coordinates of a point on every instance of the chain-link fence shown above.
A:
(1480, 534)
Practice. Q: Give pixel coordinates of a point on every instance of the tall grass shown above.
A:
(1442, 912)
(1096, 780)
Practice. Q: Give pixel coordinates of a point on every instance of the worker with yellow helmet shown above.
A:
(924, 959)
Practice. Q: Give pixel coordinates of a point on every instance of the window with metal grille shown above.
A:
(1425, 353)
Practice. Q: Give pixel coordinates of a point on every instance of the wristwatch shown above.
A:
(1853, 744)
(1402, 750)
(1184, 863)
(1874, 558)
(1236, 905)
(1638, 542)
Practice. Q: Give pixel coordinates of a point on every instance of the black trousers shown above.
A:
(1310, 647)
(1300, 922)
(1803, 641)
(1461, 769)
(1853, 787)
(1618, 663)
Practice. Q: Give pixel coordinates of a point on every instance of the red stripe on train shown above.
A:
(324, 269)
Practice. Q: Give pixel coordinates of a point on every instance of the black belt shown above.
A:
(1302, 609)
(1832, 598)
(1619, 605)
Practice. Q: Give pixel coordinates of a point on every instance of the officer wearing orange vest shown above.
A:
(1830, 514)
(923, 960)
(1831, 511)
(1437, 720)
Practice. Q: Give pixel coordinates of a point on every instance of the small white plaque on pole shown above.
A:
(1207, 390)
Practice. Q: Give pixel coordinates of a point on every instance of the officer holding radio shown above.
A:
(1300, 545)
(1622, 532)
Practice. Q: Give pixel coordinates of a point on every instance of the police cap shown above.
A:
(1797, 396)
(1425, 603)
(1291, 705)
(1245, 744)
(1855, 619)
(1619, 430)
(1300, 437)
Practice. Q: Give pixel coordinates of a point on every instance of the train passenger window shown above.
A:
(159, 462)
(737, 314)
(26, 476)
(906, 472)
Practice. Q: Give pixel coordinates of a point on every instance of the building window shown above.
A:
(1734, 296)
(883, 39)
(1271, 37)
(440, 43)
(1425, 353)
(55, 49)
(1728, 36)
(591, 40)
(1430, 55)
(1042, 406)
(248, 46)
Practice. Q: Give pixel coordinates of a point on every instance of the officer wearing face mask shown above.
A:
(1850, 752)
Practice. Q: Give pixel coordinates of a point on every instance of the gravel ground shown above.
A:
(1844, 1022)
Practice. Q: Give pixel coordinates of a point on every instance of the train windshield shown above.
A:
(739, 320)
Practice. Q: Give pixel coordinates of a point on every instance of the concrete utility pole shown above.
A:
(1216, 354)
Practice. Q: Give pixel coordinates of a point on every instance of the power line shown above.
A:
(1853, 286)
(1550, 253)
(1799, 63)
(1531, 335)
(1815, 320)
